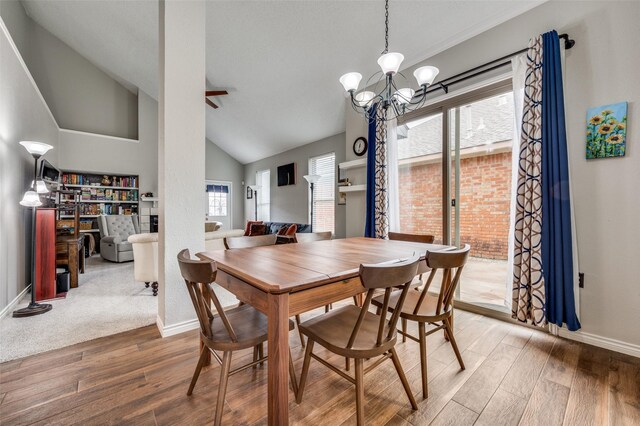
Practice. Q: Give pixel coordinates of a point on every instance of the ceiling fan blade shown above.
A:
(211, 104)
(216, 93)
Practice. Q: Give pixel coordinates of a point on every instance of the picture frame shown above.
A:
(249, 193)
(287, 174)
(606, 131)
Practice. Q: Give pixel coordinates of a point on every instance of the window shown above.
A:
(217, 200)
(263, 180)
(324, 192)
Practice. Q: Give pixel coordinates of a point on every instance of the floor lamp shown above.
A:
(255, 189)
(32, 199)
(312, 179)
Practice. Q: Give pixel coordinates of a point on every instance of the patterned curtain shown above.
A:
(377, 224)
(528, 304)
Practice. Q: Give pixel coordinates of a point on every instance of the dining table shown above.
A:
(289, 279)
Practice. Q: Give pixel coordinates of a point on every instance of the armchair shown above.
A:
(114, 232)
(145, 262)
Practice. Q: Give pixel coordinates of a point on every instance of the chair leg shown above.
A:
(196, 374)
(327, 308)
(305, 370)
(146, 284)
(154, 287)
(222, 388)
(359, 362)
(403, 378)
(261, 352)
(452, 340)
(347, 364)
(423, 358)
(299, 332)
(404, 330)
(256, 355)
(292, 375)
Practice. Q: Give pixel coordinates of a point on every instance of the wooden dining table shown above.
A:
(289, 279)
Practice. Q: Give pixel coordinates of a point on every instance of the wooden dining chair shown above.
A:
(412, 238)
(425, 308)
(228, 331)
(248, 242)
(305, 237)
(354, 332)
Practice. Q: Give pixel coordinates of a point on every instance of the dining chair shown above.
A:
(354, 332)
(305, 237)
(248, 242)
(228, 331)
(426, 308)
(413, 238)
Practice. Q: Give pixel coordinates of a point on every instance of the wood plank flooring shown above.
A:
(513, 375)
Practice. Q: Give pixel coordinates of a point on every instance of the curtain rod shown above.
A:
(489, 66)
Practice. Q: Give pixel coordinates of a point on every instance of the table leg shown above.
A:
(72, 252)
(82, 258)
(278, 361)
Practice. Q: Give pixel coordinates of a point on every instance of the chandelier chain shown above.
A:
(386, 26)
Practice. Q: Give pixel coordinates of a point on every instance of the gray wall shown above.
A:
(95, 153)
(290, 203)
(80, 95)
(221, 166)
(607, 201)
(23, 116)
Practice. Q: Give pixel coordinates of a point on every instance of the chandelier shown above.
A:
(401, 100)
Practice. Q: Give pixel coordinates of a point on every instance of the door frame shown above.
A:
(229, 201)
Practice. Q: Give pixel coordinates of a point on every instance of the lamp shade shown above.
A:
(390, 62)
(364, 98)
(404, 96)
(37, 149)
(426, 75)
(254, 187)
(30, 199)
(350, 81)
(312, 178)
(41, 187)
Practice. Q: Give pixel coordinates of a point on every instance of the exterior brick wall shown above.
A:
(485, 186)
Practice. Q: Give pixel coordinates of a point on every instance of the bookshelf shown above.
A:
(100, 193)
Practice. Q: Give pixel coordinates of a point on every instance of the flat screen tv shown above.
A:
(48, 172)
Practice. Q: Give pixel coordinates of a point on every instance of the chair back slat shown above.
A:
(451, 262)
(305, 237)
(384, 275)
(198, 276)
(248, 242)
(414, 238)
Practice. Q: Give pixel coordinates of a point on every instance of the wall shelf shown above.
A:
(360, 162)
(124, 188)
(352, 188)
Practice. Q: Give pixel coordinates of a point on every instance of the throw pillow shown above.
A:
(257, 229)
(248, 228)
(291, 230)
(283, 230)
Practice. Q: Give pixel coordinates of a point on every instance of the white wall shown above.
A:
(290, 203)
(602, 68)
(80, 95)
(23, 116)
(103, 154)
(221, 166)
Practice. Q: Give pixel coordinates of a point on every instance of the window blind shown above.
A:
(324, 192)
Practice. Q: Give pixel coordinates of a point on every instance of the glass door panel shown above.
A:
(481, 137)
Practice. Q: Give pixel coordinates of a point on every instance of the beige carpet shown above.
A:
(107, 301)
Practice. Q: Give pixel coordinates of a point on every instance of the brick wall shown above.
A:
(485, 186)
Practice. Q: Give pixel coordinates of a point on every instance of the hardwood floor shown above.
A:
(514, 375)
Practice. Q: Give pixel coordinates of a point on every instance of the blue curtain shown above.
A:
(557, 253)
(370, 223)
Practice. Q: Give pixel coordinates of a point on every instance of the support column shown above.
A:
(181, 154)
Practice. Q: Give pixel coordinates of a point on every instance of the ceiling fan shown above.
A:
(209, 93)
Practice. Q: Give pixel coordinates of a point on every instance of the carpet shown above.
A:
(107, 301)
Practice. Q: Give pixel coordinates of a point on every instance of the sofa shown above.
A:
(275, 227)
(114, 233)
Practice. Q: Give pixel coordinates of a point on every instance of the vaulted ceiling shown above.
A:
(280, 60)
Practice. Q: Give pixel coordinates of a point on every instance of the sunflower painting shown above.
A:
(607, 131)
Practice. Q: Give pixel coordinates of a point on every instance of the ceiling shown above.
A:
(279, 60)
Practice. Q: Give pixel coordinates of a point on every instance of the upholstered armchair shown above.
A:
(114, 232)
(145, 259)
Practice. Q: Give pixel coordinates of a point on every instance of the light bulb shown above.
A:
(404, 96)
(364, 98)
(37, 149)
(350, 81)
(390, 62)
(426, 75)
(30, 199)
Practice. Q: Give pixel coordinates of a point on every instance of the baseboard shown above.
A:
(601, 342)
(181, 327)
(14, 302)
